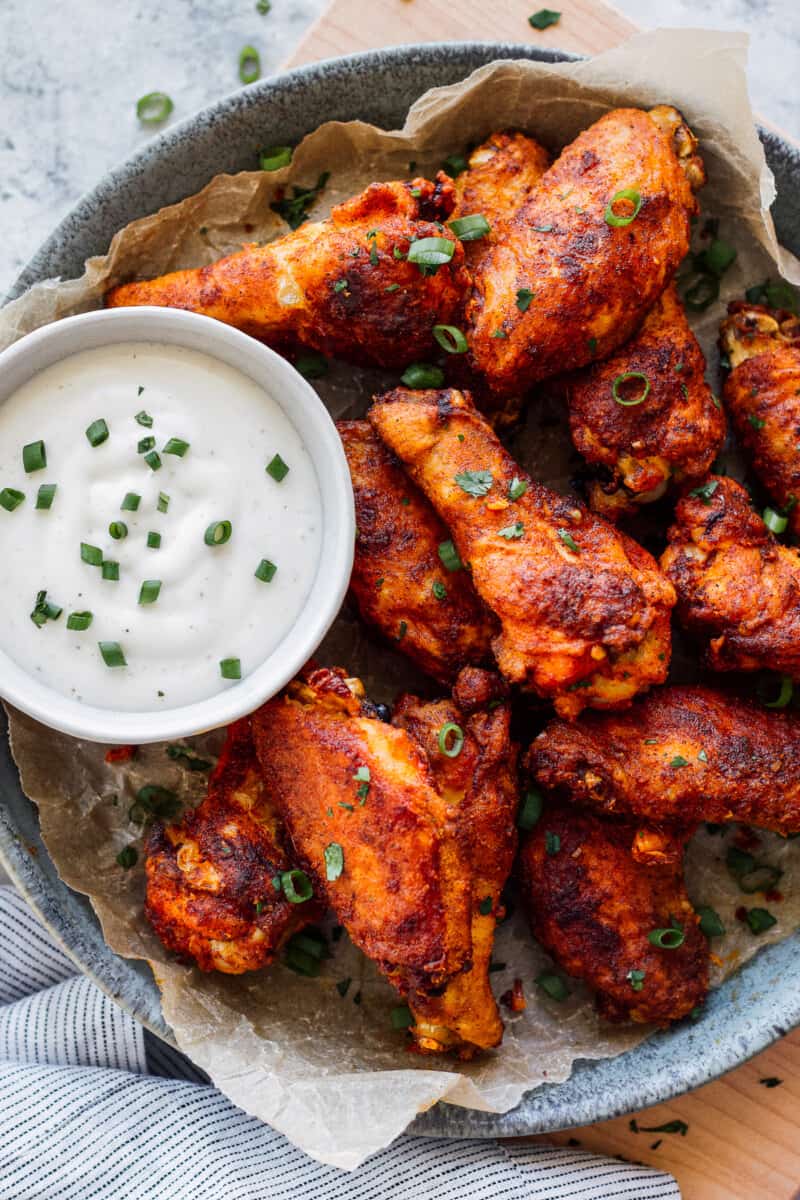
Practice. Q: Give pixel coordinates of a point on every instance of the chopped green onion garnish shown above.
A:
(666, 939)
(705, 491)
(176, 446)
(144, 418)
(295, 883)
(530, 810)
(451, 739)
(552, 985)
(218, 533)
(153, 540)
(702, 293)
(265, 571)
(230, 668)
(128, 857)
(710, 923)
(620, 379)
(130, 502)
(45, 495)
(97, 433)
(277, 468)
(44, 610)
(154, 108)
(760, 919)
(401, 1017)
(112, 654)
(163, 502)
(249, 64)
(718, 257)
(679, 761)
(524, 297)
(148, 592)
(110, 570)
(153, 460)
(92, 555)
(118, 530)
(774, 521)
(422, 375)
(469, 229)
(552, 842)
(632, 197)
(334, 861)
(431, 251)
(569, 540)
(486, 905)
(756, 422)
(636, 979)
(275, 157)
(439, 590)
(10, 498)
(34, 456)
(144, 444)
(450, 338)
(512, 532)
(454, 165)
(784, 695)
(544, 18)
(79, 621)
(475, 483)
(449, 556)
(311, 365)
(518, 487)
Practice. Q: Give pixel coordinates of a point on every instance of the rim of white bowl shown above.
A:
(57, 341)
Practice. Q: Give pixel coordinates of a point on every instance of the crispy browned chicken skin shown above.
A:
(584, 611)
(682, 755)
(341, 778)
(762, 393)
(738, 588)
(399, 581)
(591, 905)
(673, 436)
(331, 284)
(210, 895)
(592, 283)
(480, 784)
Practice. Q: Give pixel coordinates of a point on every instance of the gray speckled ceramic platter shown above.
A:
(748, 1012)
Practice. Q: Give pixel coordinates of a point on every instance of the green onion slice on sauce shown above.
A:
(46, 495)
(154, 108)
(78, 621)
(618, 220)
(431, 251)
(249, 64)
(97, 432)
(148, 592)
(277, 469)
(176, 446)
(34, 456)
(230, 668)
(265, 571)
(112, 654)
(218, 533)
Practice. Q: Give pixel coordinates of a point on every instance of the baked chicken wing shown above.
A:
(407, 580)
(584, 611)
(210, 893)
(683, 755)
(582, 262)
(762, 393)
(646, 416)
(342, 286)
(738, 588)
(592, 906)
(369, 827)
(473, 761)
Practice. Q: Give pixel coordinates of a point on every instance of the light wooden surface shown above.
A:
(743, 1140)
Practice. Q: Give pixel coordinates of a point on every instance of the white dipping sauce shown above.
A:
(211, 606)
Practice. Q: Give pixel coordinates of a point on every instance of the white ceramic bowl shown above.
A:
(305, 410)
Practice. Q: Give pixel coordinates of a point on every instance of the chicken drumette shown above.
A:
(593, 907)
(762, 393)
(738, 587)
(582, 262)
(343, 286)
(407, 579)
(584, 611)
(210, 892)
(682, 755)
(474, 762)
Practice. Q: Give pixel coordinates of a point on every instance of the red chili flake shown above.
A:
(514, 999)
(120, 754)
(741, 913)
(774, 895)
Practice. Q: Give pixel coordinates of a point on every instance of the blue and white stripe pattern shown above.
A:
(92, 1107)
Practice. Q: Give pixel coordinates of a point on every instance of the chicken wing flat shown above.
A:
(479, 781)
(584, 611)
(581, 263)
(336, 285)
(210, 893)
(683, 755)
(646, 415)
(424, 604)
(737, 586)
(369, 826)
(762, 393)
(592, 906)
(502, 173)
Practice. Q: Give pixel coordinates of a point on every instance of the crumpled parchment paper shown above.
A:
(325, 1069)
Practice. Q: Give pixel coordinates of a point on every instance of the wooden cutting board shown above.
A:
(743, 1140)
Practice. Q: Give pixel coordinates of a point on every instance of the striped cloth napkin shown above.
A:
(94, 1107)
